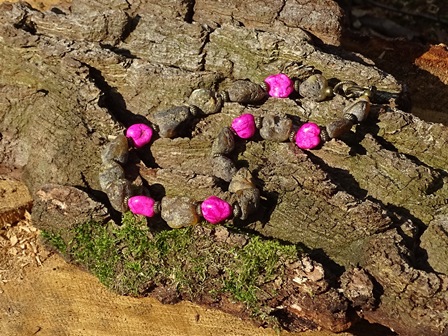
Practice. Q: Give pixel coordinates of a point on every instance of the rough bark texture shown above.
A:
(70, 80)
(321, 18)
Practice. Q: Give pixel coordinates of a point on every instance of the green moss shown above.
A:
(94, 246)
(55, 241)
(131, 260)
(257, 263)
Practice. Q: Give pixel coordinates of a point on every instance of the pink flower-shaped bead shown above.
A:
(141, 205)
(215, 210)
(279, 85)
(244, 126)
(308, 136)
(140, 134)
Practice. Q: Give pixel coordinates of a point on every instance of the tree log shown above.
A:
(359, 206)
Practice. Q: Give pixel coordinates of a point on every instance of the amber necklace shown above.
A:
(179, 211)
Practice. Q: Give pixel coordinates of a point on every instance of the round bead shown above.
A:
(315, 87)
(244, 91)
(140, 134)
(207, 100)
(244, 126)
(215, 210)
(280, 85)
(173, 121)
(141, 205)
(307, 137)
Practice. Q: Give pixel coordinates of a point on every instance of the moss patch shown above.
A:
(195, 263)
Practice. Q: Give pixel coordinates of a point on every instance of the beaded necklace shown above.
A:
(180, 212)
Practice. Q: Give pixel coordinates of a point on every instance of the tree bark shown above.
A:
(360, 205)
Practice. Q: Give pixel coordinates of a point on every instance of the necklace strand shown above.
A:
(179, 211)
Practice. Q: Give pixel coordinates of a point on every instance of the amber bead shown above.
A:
(241, 180)
(179, 211)
(246, 92)
(223, 167)
(248, 201)
(338, 127)
(359, 108)
(113, 183)
(276, 128)
(208, 101)
(224, 142)
(116, 150)
(170, 121)
(109, 172)
(315, 87)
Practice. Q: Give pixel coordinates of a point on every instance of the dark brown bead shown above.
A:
(359, 108)
(315, 87)
(223, 167)
(276, 128)
(118, 193)
(110, 172)
(116, 150)
(208, 101)
(113, 183)
(241, 180)
(179, 211)
(170, 121)
(224, 142)
(246, 92)
(248, 200)
(338, 127)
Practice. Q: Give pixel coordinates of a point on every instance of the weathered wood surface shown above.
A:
(361, 201)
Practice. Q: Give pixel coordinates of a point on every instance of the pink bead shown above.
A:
(308, 136)
(279, 85)
(140, 134)
(244, 126)
(215, 210)
(141, 205)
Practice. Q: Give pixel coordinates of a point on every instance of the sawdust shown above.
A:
(19, 249)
